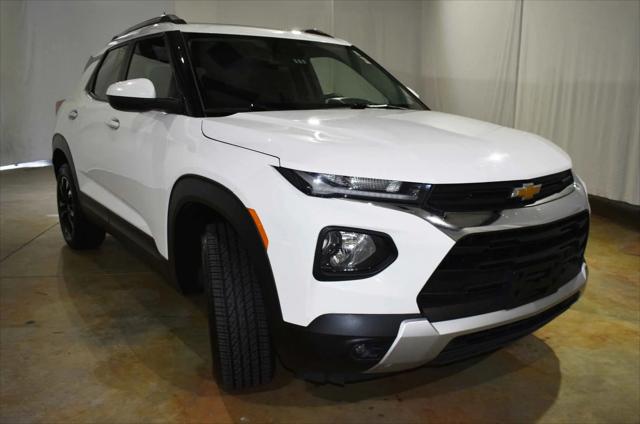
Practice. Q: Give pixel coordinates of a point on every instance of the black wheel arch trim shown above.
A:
(60, 143)
(215, 196)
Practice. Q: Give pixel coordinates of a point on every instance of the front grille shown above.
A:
(492, 271)
(485, 341)
(492, 196)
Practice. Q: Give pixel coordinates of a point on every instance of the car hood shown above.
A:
(416, 146)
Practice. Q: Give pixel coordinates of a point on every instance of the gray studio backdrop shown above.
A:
(568, 70)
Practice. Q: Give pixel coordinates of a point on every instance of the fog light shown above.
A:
(370, 350)
(352, 254)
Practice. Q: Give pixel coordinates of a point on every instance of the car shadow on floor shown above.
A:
(166, 333)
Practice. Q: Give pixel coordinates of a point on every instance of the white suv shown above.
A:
(330, 217)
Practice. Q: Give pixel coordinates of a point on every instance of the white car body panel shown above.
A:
(425, 146)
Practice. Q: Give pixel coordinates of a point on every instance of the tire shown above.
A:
(78, 232)
(241, 347)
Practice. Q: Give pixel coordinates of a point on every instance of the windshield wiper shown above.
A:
(386, 106)
(230, 110)
(374, 106)
(257, 107)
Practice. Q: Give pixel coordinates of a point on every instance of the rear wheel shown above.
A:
(241, 347)
(78, 232)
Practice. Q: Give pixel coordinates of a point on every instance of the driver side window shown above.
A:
(150, 59)
(339, 80)
(110, 71)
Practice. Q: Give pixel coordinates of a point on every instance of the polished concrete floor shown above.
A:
(98, 337)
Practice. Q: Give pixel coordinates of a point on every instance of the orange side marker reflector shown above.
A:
(263, 234)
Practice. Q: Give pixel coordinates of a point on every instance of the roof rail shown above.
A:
(316, 31)
(158, 20)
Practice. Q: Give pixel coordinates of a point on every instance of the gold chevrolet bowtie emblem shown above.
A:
(527, 191)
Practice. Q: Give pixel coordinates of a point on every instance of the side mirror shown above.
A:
(139, 95)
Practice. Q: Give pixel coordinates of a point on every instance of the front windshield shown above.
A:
(245, 73)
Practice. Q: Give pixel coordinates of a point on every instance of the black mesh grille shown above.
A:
(486, 272)
(492, 196)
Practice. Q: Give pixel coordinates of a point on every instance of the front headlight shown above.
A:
(329, 185)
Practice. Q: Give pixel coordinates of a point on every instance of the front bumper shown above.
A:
(324, 321)
(324, 351)
(419, 341)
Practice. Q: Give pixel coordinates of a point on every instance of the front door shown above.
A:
(123, 153)
(142, 139)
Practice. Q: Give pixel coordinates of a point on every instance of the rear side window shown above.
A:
(109, 72)
(150, 60)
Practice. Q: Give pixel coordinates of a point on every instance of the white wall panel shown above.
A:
(567, 70)
(579, 86)
(278, 14)
(43, 48)
(469, 57)
(388, 31)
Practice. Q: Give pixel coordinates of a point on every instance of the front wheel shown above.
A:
(241, 346)
(78, 232)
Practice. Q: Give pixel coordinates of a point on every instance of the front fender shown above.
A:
(195, 189)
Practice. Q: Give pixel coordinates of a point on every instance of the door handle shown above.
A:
(73, 114)
(114, 123)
